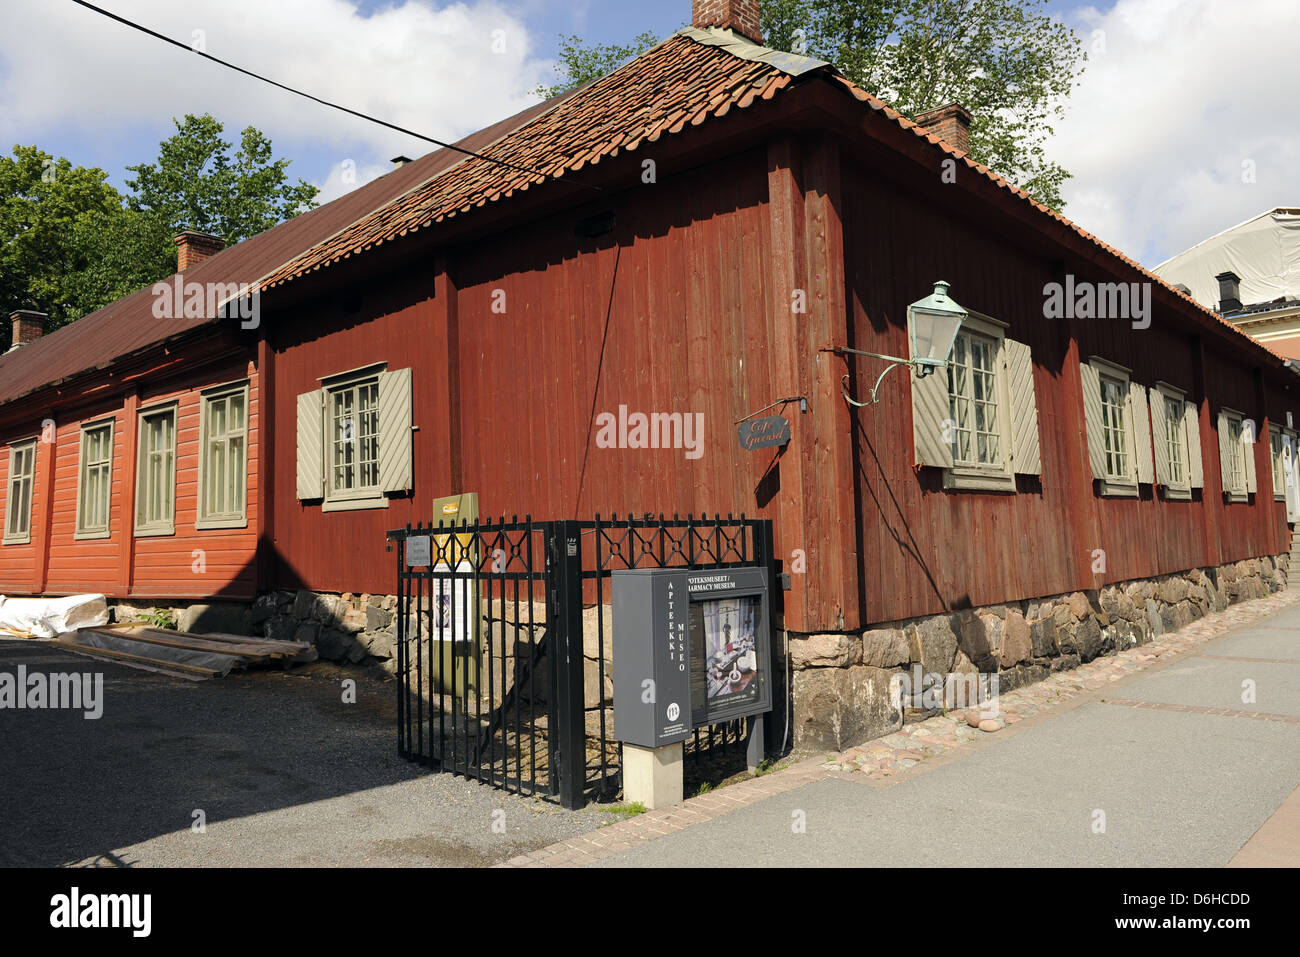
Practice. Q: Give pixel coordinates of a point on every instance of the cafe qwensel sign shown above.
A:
(693, 648)
(765, 433)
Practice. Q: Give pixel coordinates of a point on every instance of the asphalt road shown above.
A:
(1175, 788)
(284, 772)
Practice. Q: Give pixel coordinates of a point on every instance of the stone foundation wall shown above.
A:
(842, 681)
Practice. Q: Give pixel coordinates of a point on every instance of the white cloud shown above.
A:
(1183, 93)
(442, 71)
(345, 176)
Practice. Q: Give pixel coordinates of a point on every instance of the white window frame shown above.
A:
(976, 477)
(1181, 491)
(24, 535)
(1119, 483)
(84, 530)
(1238, 490)
(358, 497)
(231, 518)
(145, 528)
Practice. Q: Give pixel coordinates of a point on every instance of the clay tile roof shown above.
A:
(681, 82)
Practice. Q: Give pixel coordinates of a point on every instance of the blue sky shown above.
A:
(1179, 98)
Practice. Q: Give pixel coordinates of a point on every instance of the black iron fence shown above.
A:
(505, 651)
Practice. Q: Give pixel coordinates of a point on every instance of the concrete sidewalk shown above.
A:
(1156, 760)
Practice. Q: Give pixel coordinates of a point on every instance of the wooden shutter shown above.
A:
(395, 430)
(1225, 454)
(1160, 435)
(1093, 420)
(1248, 453)
(930, 411)
(1026, 455)
(1139, 416)
(311, 457)
(1192, 430)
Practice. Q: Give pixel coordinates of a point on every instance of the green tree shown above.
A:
(1007, 61)
(71, 244)
(578, 63)
(197, 184)
(47, 208)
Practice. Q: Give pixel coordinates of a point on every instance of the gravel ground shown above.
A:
(284, 772)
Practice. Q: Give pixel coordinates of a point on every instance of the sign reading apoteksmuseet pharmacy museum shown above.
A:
(692, 649)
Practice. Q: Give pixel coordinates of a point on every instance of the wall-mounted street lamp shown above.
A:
(932, 326)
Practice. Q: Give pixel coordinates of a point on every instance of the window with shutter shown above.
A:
(978, 419)
(354, 439)
(1279, 470)
(1118, 427)
(1236, 455)
(1170, 441)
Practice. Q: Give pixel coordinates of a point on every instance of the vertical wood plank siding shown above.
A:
(122, 565)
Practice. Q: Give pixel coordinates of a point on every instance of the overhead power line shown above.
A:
(316, 99)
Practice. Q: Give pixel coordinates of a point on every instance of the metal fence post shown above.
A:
(569, 715)
(772, 729)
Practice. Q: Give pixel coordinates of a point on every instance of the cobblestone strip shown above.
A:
(897, 752)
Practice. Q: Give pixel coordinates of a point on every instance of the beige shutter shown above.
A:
(311, 460)
(1192, 423)
(1248, 452)
(1225, 455)
(1027, 457)
(931, 420)
(1160, 435)
(1139, 416)
(1092, 415)
(395, 430)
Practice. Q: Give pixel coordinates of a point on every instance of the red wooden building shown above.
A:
(693, 234)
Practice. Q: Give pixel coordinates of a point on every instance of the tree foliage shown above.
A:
(196, 183)
(578, 63)
(70, 243)
(1009, 62)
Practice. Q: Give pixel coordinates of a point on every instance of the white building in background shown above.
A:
(1250, 274)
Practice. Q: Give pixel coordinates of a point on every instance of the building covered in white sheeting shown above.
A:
(1251, 275)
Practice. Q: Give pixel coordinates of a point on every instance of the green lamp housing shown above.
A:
(933, 324)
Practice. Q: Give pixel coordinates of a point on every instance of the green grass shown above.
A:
(624, 811)
(704, 788)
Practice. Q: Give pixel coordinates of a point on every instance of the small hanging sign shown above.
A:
(419, 551)
(764, 433)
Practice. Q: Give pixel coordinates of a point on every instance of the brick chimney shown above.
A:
(740, 16)
(192, 248)
(28, 326)
(950, 123)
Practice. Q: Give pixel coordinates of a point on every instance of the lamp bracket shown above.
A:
(894, 362)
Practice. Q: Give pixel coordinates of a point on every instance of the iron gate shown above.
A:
(504, 647)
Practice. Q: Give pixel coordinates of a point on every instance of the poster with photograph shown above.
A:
(724, 647)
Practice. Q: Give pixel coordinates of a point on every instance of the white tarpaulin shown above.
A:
(47, 617)
(1264, 252)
